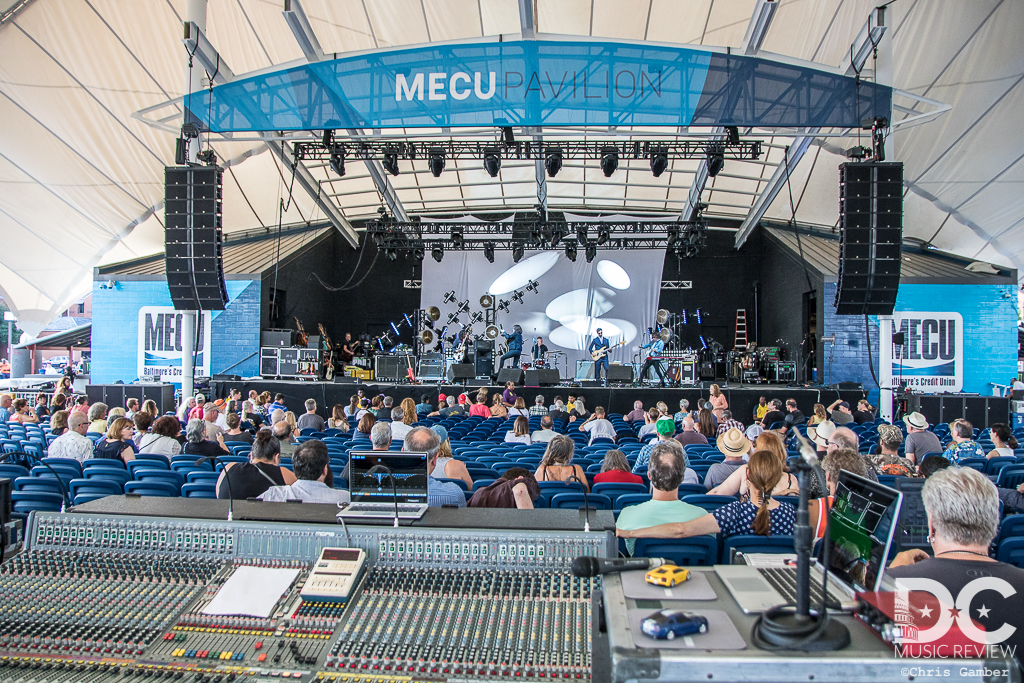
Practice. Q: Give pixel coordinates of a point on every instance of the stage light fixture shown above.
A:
(716, 160)
(437, 253)
(683, 316)
(609, 161)
(436, 161)
(603, 235)
(581, 234)
(659, 161)
(517, 252)
(556, 236)
(553, 161)
(338, 163)
(392, 254)
(489, 251)
(418, 253)
(457, 239)
(492, 162)
(570, 251)
(591, 251)
(390, 162)
(732, 135)
(699, 317)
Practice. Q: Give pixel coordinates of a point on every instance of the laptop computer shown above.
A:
(379, 479)
(912, 529)
(863, 522)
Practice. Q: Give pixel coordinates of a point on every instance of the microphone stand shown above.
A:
(60, 482)
(227, 480)
(394, 491)
(586, 502)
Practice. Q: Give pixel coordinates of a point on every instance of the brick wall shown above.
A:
(115, 328)
(989, 336)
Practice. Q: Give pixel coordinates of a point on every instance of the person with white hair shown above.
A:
(962, 506)
(98, 418)
(637, 413)
(309, 419)
(197, 444)
(73, 443)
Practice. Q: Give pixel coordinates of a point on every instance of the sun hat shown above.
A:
(916, 420)
(733, 443)
(820, 432)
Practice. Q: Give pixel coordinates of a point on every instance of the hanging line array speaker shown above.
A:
(193, 246)
(871, 237)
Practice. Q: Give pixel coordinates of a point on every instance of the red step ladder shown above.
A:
(741, 329)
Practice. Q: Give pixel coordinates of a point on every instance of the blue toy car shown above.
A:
(669, 623)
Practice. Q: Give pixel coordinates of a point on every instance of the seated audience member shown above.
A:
(520, 432)
(59, 422)
(60, 402)
(666, 471)
(81, 405)
(162, 438)
(735, 446)
(73, 443)
(546, 431)
(578, 411)
(519, 408)
(278, 404)
(42, 409)
(399, 427)
(114, 413)
(556, 465)
(439, 493)
(963, 444)
(737, 482)
(637, 413)
(365, 424)
(516, 488)
(508, 396)
(774, 414)
(684, 410)
(689, 435)
(424, 407)
(920, 441)
(1013, 498)
(931, 465)
(251, 420)
(118, 443)
(352, 409)
(706, 423)
(409, 415)
(760, 514)
(793, 414)
(753, 431)
(311, 464)
(615, 469)
(184, 409)
(963, 518)
(558, 411)
(727, 422)
(98, 418)
(596, 425)
(649, 428)
(309, 419)
(865, 413)
(819, 434)
(211, 414)
(22, 412)
(538, 408)
(384, 410)
(250, 479)
(234, 432)
(666, 432)
(447, 467)
(839, 412)
(380, 436)
(451, 407)
(818, 416)
(479, 408)
(337, 420)
(888, 460)
(836, 461)
(1004, 441)
(761, 409)
(149, 406)
(293, 424)
(498, 408)
(198, 445)
(143, 422)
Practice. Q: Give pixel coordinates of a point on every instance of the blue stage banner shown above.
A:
(539, 83)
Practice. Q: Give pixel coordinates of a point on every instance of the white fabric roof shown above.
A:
(82, 180)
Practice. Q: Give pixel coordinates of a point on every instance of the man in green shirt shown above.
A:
(666, 470)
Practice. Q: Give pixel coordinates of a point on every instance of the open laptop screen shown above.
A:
(370, 482)
(863, 521)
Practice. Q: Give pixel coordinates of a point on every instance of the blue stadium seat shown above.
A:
(68, 463)
(1011, 551)
(697, 551)
(458, 482)
(84, 490)
(23, 502)
(1010, 476)
(614, 490)
(993, 465)
(153, 488)
(173, 478)
(575, 500)
(1012, 526)
(752, 543)
(103, 462)
(45, 484)
(199, 490)
(709, 503)
(11, 471)
(692, 490)
(119, 476)
(196, 477)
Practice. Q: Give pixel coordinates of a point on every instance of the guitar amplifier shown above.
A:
(431, 367)
(389, 367)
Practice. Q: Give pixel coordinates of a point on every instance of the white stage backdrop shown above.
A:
(617, 292)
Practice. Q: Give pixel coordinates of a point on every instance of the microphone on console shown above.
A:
(592, 566)
(227, 480)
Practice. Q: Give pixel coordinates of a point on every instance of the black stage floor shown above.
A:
(742, 399)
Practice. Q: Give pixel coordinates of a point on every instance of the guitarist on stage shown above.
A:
(598, 343)
(515, 346)
(656, 346)
(348, 348)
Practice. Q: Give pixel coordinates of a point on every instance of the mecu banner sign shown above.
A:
(160, 344)
(931, 360)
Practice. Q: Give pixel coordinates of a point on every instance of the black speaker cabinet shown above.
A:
(117, 395)
(620, 373)
(461, 372)
(980, 411)
(193, 249)
(510, 375)
(871, 237)
(389, 367)
(276, 337)
(546, 377)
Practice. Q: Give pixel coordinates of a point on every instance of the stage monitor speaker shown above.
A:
(871, 237)
(193, 249)
(545, 377)
(276, 337)
(226, 378)
(460, 372)
(620, 373)
(345, 379)
(849, 386)
(510, 375)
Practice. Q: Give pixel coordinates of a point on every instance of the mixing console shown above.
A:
(98, 598)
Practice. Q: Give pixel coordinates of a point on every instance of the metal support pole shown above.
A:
(188, 337)
(885, 407)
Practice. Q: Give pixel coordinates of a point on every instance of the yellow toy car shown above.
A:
(667, 575)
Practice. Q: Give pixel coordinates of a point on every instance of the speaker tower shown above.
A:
(192, 244)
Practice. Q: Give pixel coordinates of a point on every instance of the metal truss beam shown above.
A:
(303, 32)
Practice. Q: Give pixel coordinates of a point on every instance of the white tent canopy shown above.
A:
(82, 179)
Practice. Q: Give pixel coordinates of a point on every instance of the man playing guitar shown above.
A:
(599, 344)
(515, 346)
(656, 346)
(348, 348)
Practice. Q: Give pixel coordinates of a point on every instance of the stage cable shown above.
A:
(792, 221)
